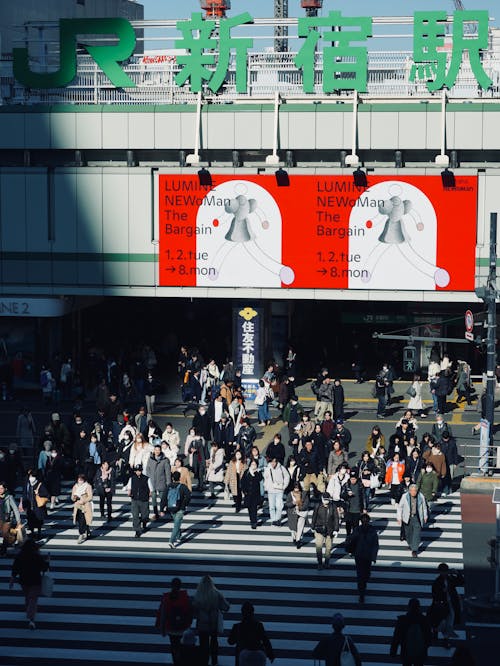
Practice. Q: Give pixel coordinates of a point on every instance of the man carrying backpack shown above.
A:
(178, 497)
(174, 616)
(413, 633)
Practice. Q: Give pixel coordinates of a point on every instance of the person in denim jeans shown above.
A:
(262, 403)
(177, 512)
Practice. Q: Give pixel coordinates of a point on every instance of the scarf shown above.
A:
(80, 489)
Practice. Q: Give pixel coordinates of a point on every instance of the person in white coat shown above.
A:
(415, 392)
(215, 468)
(276, 480)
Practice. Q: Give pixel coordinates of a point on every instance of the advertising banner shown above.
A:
(319, 232)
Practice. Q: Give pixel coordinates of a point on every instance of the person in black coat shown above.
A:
(250, 636)
(246, 436)
(414, 465)
(52, 475)
(338, 400)
(36, 511)
(27, 570)
(202, 423)
(413, 633)
(450, 451)
(353, 497)
(250, 487)
(363, 544)
(325, 524)
(275, 449)
(223, 434)
(444, 612)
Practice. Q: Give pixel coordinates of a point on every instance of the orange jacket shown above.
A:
(388, 471)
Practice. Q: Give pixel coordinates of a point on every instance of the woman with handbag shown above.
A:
(34, 502)
(366, 469)
(8, 513)
(27, 570)
(208, 606)
(297, 507)
(414, 391)
(215, 468)
(81, 496)
(444, 613)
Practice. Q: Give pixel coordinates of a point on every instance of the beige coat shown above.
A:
(85, 504)
(231, 476)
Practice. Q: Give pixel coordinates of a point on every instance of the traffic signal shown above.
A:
(409, 358)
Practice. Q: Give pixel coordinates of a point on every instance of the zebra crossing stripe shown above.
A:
(107, 590)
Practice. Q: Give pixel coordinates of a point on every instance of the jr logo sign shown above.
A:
(107, 56)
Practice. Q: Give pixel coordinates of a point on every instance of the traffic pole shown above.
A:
(491, 360)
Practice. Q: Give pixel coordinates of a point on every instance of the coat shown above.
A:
(402, 632)
(207, 617)
(291, 510)
(84, 504)
(439, 608)
(415, 402)
(428, 484)
(389, 470)
(328, 523)
(158, 470)
(276, 479)
(335, 459)
(215, 466)
(404, 508)
(438, 460)
(250, 486)
(231, 477)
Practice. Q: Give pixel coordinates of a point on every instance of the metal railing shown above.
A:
(267, 73)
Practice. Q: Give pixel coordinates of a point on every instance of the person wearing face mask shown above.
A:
(81, 496)
(250, 486)
(52, 476)
(438, 460)
(428, 483)
(34, 502)
(325, 525)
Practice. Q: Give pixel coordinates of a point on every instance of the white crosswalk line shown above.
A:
(107, 589)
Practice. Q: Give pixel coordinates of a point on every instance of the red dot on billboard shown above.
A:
(215, 223)
(369, 224)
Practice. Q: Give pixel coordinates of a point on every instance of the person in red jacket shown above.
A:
(394, 477)
(174, 616)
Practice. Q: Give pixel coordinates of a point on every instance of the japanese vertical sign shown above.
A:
(248, 345)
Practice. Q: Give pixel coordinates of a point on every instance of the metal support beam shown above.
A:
(411, 338)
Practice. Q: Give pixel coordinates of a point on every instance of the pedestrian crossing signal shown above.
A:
(409, 358)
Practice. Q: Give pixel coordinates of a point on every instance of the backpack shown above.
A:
(415, 647)
(174, 498)
(178, 613)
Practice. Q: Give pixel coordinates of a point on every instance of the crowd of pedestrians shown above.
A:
(311, 483)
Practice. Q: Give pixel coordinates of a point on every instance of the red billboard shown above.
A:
(319, 232)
